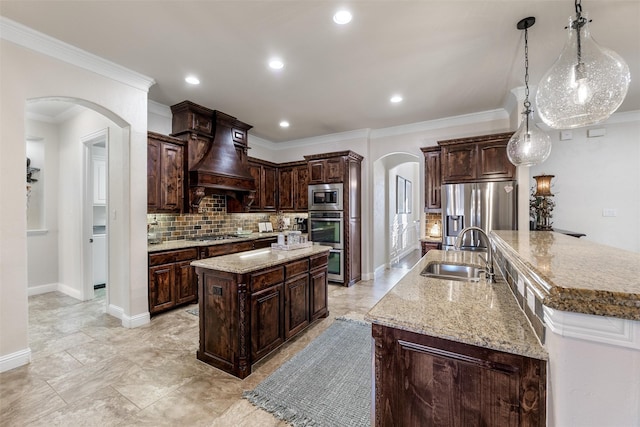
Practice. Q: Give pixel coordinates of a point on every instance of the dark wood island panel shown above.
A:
(245, 316)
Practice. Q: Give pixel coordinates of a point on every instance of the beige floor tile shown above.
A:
(89, 370)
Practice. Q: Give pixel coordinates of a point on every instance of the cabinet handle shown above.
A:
(91, 240)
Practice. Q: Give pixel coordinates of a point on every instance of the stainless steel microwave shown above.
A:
(325, 197)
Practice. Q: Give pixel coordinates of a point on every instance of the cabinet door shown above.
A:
(153, 175)
(267, 321)
(171, 189)
(494, 163)
(422, 380)
(301, 191)
(269, 188)
(161, 288)
(459, 163)
(334, 170)
(285, 189)
(318, 292)
(186, 285)
(296, 316)
(99, 181)
(316, 171)
(433, 176)
(256, 173)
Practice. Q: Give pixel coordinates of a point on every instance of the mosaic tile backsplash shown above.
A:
(212, 218)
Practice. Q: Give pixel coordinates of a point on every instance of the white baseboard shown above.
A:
(42, 289)
(15, 360)
(67, 290)
(136, 321)
(129, 321)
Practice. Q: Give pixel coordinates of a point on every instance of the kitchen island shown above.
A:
(455, 353)
(252, 302)
(583, 299)
(571, 304)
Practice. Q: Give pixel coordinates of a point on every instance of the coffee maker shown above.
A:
(301, 224)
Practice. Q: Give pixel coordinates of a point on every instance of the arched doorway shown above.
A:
(74, 133)
(397, 207)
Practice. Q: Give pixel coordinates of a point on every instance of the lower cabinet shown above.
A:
(172, 281)
(424, 380)
(427, 246)
(244, 317)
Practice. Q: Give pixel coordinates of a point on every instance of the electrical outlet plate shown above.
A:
(608, 212)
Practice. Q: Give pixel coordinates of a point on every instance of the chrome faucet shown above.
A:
(490, 275)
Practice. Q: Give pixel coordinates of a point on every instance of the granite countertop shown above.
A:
(576, 275)
(481, 314)
(246, 262)
(186, 243)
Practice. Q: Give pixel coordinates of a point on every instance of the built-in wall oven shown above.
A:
(327, 228)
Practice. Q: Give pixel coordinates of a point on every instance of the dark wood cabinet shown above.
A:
(427, 246)
(323, 171)
(286, 179)
(293, 181)
(432, 179)
(165, 174)
(171, 279)
(424, 380)
(266, 179)
(344, 167)
(300, 187)
(244, 317)
(297, 304)
(318, 297)
(478, 158)
(267, 325)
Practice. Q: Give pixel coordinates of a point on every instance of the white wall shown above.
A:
(592, 174)
(21, 79)
(42, 245)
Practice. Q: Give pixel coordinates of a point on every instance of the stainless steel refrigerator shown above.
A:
(488, 205)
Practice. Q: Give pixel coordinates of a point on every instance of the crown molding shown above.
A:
(47, 45)
(322, 139)
(465, 119)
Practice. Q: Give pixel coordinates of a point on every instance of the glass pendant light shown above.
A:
(586, 84)
(528, 146)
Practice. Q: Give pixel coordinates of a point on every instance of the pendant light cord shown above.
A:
(527, 104)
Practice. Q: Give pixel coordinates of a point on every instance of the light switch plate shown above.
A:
(609, 212)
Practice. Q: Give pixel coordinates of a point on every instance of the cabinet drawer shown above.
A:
(266, 278)
(173, 256)
(296, 267)
(319, 260)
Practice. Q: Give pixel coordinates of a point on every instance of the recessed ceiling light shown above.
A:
(284, 124)
(276, 64)
(192, 80)
(342, 17)
(395, 99)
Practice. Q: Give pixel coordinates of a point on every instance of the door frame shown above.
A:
(89, 141)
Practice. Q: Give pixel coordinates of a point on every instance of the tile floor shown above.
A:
(88, 370)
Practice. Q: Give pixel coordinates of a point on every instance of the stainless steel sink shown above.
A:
(447, 271)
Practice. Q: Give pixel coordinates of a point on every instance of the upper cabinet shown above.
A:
(265, 175)
(323, 171)
(293, 180)
(99, 181)
(478, 158)
(432, 178)
(165, 174)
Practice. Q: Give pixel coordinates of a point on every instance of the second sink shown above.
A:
(448, 271)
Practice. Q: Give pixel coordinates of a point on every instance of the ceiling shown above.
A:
(446, 58)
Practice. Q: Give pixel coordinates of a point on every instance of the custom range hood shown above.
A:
(216, 154)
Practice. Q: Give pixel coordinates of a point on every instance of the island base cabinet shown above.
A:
(244, 317)
(423, 380)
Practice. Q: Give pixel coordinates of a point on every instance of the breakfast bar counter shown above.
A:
(482, 314)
